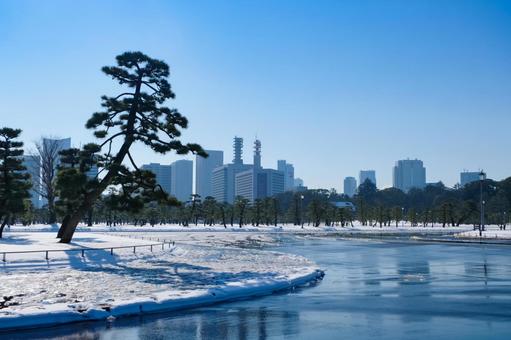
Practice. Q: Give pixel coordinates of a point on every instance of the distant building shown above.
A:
(54, 146)
(32, 164)
(468, 177)
(343, 204)
(256, 182)
(409, 173)
(163, 175)
(289, 174)
(238, 151)
(204, 172)
(259, 183)
(350, 186)
(367, 174)
(223, 177)
(182, 179)
(60, 144)
(298, 182)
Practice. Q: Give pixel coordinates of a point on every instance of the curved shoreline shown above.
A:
(230, 292)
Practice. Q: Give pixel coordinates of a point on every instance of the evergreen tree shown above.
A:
(133, 116)
(14, 182)
(240, 205)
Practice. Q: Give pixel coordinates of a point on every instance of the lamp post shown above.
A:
(482, 178)
(403, 216)
(301, 209)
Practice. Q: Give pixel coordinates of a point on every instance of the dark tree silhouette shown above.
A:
(132, 116)
(240, 205)
(14, 182)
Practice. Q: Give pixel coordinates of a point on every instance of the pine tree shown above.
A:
(130, 117)
(14, 182)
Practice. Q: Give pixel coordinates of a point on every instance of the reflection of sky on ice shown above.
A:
(371, 289)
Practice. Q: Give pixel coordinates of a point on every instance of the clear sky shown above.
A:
(331, 86)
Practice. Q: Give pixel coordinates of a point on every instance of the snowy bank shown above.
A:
(71, 288)
(490, 232)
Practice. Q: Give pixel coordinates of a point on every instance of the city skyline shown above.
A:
(192, 176)
(436, 94)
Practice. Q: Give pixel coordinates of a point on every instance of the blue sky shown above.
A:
(331, 86)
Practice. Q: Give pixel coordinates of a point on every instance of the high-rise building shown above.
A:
(256, 182)
(52, 147)
(223, 177)
(409, 173)
(163, 175)
(367, 174)
(182, 179)
(289, 174)
(259, 183)
(298, 182)
(204, 172)
(32, 164)
(350, 186)
(238, 150)
(468, 177)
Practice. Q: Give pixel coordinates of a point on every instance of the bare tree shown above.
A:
(47, 154)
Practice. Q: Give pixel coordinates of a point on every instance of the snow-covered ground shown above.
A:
(356, 228)
(203, 269)
(490, 232)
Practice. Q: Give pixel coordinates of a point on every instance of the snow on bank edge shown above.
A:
(61, 314)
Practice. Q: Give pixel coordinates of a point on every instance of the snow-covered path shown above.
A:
(70, 287)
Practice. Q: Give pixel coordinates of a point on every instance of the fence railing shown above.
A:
(47, 252)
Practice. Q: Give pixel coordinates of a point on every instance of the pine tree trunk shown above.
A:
(2, 227)
(90, 214)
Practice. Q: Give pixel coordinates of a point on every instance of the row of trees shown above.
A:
(434, 205)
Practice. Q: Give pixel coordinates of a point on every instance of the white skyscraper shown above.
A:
(409, 173)
(350, 186)
(223, 177)
(182, 180)
(289, 174)
(204, 171)
(367, 174)
(163, 175)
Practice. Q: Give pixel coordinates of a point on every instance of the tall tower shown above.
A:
(257, 154)
(238, 150)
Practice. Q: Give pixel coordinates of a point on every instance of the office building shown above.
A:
(204, 172)
(350, 186)
(54, 146)
(289, 174)
(182, 180)
(409, 173)
(258, 183)
(367, 174)
(468, 177)
(223, 177)
(163, 175)
(298, 182)
(32, 164)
